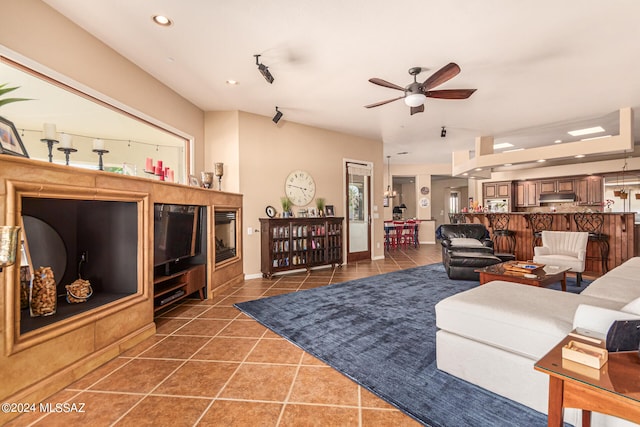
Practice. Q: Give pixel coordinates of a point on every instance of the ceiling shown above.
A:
(541, 67)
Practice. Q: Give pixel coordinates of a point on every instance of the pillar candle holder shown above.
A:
(67, 151)
(100, 154)
(9, 237)
(50, 143)
(219, 171)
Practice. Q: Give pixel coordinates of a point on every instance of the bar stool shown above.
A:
(593, 223)
(539, 222)
(499, 222)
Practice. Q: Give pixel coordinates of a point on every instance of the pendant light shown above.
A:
(389, 193)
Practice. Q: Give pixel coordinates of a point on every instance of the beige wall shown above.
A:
(42, 35)
(268, 152)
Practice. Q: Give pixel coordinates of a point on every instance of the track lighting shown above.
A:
(264, 70)
(278, 116)
(443, 132)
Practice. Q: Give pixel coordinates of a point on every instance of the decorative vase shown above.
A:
(43, 296)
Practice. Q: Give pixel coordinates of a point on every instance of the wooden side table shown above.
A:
(613, 389)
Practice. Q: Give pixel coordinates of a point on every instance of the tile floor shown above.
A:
(210, 365)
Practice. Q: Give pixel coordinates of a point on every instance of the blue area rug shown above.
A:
(380, 332)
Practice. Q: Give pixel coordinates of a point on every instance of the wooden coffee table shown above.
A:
(545, 276)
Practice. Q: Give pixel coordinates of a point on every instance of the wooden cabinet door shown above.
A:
(548, 186)
(489, 191)
(582, 191)
(521, 194)
(595, 190)
(503, 189)
(531, 193)
(565, 185)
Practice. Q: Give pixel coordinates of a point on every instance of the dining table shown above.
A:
(390, 225)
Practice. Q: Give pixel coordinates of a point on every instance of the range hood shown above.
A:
(557, 198)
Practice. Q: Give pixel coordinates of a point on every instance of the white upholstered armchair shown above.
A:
(564, 249)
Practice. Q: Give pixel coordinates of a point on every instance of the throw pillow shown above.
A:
(466, 242)
(632, 307)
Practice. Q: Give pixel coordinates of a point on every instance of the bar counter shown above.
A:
(618, 229)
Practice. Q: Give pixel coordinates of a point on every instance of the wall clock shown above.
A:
(424, 190)
(300, 188)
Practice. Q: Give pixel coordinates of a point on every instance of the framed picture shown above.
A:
(193, 181)
(10, 142)
(385, 202)
(328, 210)
(313, 213)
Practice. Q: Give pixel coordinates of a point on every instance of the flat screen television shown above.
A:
(176, 233)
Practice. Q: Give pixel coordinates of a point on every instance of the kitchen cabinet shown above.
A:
(560, 185)
(590, 190)
(527, 194)
(496, 190)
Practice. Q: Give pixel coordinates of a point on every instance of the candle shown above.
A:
(65, 141)
(171, 176)
(159, 167)
(98, 144)
(219, 169)
(49, 131)
(149, 165)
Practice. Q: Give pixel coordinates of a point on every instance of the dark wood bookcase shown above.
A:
(297, 243)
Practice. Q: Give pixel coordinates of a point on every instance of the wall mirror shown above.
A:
(129, 140)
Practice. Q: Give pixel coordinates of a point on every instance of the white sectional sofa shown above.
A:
(493, 334)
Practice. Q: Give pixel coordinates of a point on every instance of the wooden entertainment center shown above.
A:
(106, 219)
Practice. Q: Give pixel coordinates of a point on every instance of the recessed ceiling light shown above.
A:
(162, 20)
(541, 161)
(232, 82)
(579, 156)
(557, 141)
(478, 169)
(508, 164)
(465, 174)
(502, 145)
(586, 131)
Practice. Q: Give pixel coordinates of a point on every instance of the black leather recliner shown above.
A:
(465, 248)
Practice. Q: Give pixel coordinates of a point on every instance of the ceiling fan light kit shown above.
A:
(415, 99)
(416, 94)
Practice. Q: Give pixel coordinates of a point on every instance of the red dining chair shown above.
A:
(409, 233)
(389, 234)
(399, 238)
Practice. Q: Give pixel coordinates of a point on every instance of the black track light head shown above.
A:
(264, 70)
(443, 132)
(278, 116)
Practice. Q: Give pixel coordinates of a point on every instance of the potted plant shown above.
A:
(286, 207)
(320, 202)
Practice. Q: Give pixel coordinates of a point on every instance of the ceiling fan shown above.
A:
(415, 94)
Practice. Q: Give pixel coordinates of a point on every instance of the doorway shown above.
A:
(358, 203)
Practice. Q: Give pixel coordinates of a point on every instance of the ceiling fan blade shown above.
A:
(380, 82)
(377, 104)
(450, 93)
(418, 109)
(445, 73)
